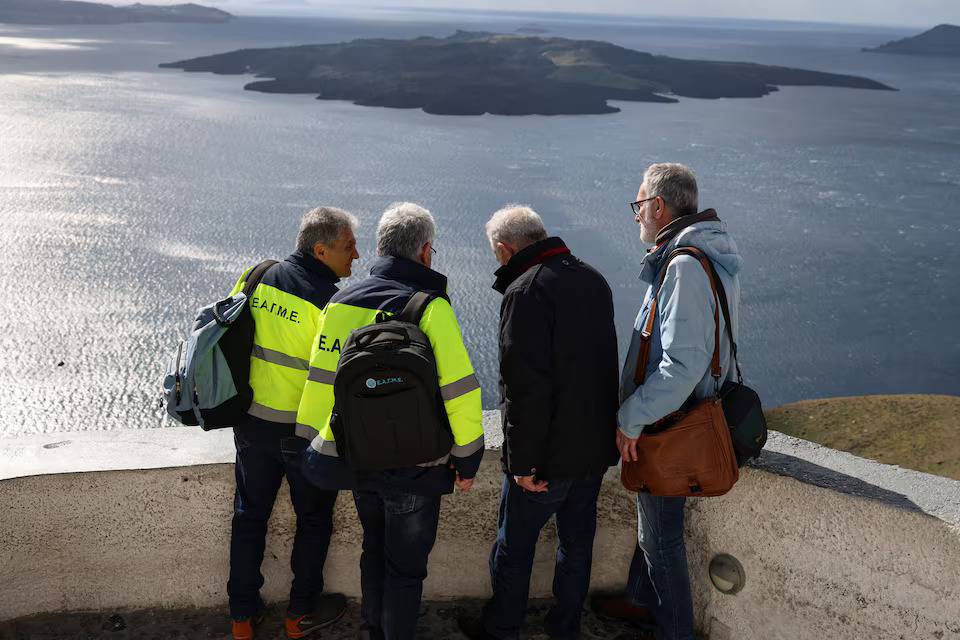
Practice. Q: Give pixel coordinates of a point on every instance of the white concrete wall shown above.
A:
(833, 546)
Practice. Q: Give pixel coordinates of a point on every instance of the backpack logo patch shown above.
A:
(373, 384)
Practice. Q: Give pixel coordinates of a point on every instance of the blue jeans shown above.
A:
(659, 578)
(522, 515)
(263, 459)
(399, 530)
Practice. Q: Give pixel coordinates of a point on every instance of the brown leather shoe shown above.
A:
(619, 608)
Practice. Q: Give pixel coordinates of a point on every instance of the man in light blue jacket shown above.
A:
(678, 370)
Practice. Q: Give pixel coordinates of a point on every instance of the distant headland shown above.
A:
(532, 29)
(942, 40)
(472, 73)
(67, 12)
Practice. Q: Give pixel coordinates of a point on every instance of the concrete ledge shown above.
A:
(833, 546)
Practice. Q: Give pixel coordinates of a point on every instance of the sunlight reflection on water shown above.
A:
(129, 199)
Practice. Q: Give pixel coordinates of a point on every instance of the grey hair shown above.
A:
(517, 225)
(675, 183)
(403, 230)
(323, 225)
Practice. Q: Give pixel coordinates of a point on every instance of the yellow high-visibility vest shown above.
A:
(285, 326)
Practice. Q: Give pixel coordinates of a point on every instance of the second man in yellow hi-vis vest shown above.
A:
(398, 506)
(286, 306)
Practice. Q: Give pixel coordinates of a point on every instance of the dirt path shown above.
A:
(438, 621)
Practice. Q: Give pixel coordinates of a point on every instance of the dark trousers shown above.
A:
(522, 515)
(398, 534)
(659, 578)
(263, 459)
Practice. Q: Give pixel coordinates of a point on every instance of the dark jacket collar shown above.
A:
(526, 258)
(674, 227)
(413, 273)
(312, 264)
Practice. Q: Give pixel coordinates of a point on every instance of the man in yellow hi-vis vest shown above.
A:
(399, 508)
(286, 306)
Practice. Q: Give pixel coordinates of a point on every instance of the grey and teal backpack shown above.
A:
(207, 382)
(388, 412)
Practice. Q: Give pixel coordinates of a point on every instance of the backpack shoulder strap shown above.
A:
(256, 275)
(412, 312)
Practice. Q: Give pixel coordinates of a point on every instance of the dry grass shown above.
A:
(914, 431)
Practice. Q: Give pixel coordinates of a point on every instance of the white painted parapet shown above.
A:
(834, 546)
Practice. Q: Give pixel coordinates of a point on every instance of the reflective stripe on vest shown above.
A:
(273, 415)
(323, 376)
(325, 447)
(460, 387)
(464, 450)
(305, 431)
(280, 358)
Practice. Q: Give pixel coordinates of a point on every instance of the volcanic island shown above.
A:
(72, 12)
(471, 73)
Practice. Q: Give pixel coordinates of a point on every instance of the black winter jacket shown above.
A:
(558, 365)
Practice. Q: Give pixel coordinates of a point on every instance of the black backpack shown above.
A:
(388, 412)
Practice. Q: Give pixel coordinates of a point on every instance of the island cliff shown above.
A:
(942, 40)
(68, 12)
(476, 73)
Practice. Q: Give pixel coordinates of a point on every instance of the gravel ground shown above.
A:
(438, 620)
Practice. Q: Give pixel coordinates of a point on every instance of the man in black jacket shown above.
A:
(558, 404)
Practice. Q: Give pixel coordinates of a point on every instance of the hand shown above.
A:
(530, 483)
(464, 485)
(627, 447)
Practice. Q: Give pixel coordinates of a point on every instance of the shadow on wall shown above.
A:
(817, 475)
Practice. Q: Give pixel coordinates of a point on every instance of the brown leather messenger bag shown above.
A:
(688, 452)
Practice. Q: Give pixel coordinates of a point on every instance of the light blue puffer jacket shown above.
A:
(683, 334)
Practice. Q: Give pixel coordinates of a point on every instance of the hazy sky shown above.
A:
(906, 13)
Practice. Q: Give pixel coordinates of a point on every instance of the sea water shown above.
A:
(132, 195)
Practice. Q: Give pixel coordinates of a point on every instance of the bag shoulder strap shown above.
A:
(256, 275)
(640, 374)
(722, 294)
(416, 305)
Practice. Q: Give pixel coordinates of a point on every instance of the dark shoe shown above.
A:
(244, 627)
(619, 608)
(327, 611)
(369, 633)
(473, 628)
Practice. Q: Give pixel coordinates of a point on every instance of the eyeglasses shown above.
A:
(636, 206)
(434, 250)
